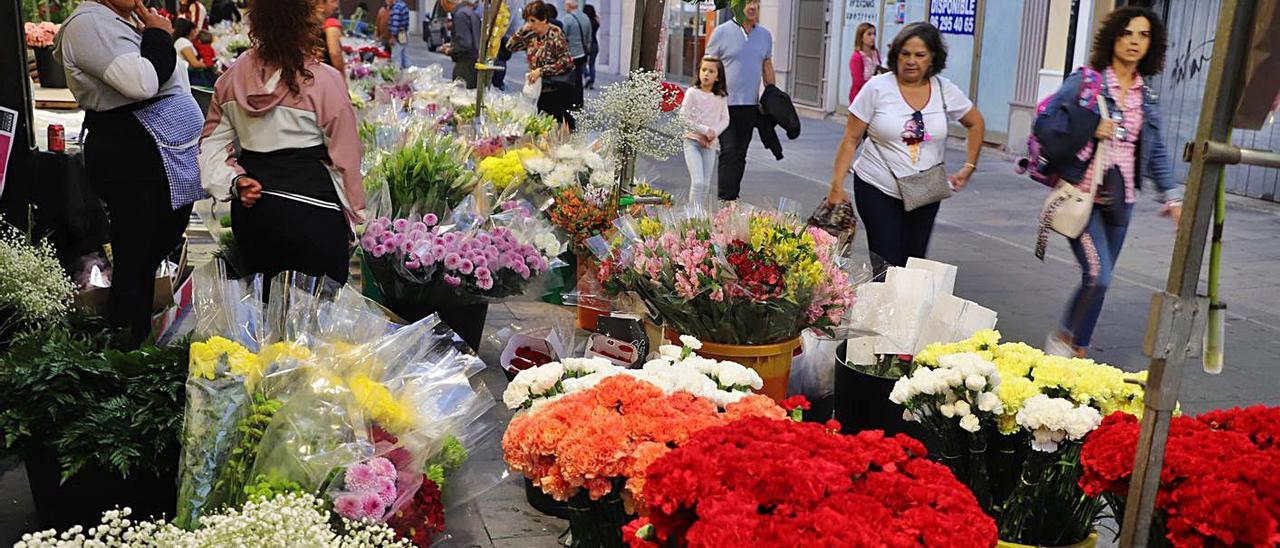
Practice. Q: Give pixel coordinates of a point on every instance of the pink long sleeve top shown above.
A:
(705, 112)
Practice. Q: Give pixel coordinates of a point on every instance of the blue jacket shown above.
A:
(1069, 121)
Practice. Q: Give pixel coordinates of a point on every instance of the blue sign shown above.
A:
(954, 16)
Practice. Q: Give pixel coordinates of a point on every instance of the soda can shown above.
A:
(57, 138)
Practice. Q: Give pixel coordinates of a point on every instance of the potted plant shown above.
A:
(40, 38)
(95, 427)
(746, 282)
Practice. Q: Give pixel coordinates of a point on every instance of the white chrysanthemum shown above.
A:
(561, 176)
(540, 165)
(1053, 420)
(548, 244)
(670, 351)
(690, 341)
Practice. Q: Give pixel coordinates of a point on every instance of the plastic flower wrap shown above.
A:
(742, 276)
(820, 488)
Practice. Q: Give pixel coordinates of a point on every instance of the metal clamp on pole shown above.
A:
(1229, 154)
(1165, 308)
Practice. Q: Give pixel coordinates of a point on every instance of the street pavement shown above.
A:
(988, 231)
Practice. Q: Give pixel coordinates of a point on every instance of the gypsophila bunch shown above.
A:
(294, 519)
(34, 290)
(629, 117)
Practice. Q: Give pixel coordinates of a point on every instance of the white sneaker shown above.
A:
(1055, 346)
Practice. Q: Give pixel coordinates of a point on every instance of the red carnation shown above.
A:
(422, 518)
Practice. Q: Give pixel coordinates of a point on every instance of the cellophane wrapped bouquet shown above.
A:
(579, 185)
(1011, 421)
(320, 393)
(742, 275)
(468, 258)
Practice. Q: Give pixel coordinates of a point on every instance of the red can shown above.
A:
(57, 138)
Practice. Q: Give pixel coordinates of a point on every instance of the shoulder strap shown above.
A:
(1099, 153)
(582, 32)
(883, 158)
(942, 92)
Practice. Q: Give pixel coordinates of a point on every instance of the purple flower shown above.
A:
(452, 280)
(415, 235)
(379, 250)
(400, 224)
(451, 238)
(361, 477)
(372, 505)
(479, 260)
(348, 506)
(452, 261)
(439, 251)
(386, 491)
(484, 284)
(484, 239)
(483, 273)
(396, 240)
(430, 219)
(466, 266)
(523, 271)
(386, 237)
(406, 246)
(383, 467)
(425, 257)
(374, 230)
(492, 253)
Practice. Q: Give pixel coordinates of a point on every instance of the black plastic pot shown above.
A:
(467, 320)
(862, 403)
(49, 69)
(94, 490)
(543, 502)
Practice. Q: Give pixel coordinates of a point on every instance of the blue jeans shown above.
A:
(702, 164)
(400, 55)
(1096, 251)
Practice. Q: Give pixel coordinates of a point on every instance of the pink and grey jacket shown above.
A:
(253, 109)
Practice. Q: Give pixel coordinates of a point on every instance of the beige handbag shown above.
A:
(1067, 209)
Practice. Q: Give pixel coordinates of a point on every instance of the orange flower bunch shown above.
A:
(614, 430)
(582, 213)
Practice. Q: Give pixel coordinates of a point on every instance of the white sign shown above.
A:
(861, 11)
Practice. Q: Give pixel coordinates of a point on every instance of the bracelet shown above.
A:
(971, 165)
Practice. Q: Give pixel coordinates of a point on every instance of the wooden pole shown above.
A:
(1174, 312)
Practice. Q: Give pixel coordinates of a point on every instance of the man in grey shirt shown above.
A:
(747, 53)
(464, 49)
(577, 30)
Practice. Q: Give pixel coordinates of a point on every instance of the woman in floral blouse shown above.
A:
(549, 58)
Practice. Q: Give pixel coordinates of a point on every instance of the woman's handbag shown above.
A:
(1067, 209)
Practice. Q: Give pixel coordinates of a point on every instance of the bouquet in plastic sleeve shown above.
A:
(741, 276)
(428, 174)
(579, 184)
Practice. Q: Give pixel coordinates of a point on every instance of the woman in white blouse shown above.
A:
(905, 113)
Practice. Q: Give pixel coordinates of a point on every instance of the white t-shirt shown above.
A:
(180, 45)
(881, 105)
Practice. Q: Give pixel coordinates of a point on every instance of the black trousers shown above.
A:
(733, 150)
(579, 87)
(557, 102)
(125, 168)
(893, 233)
(464, 68)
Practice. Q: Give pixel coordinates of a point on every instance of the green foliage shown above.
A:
(56, 11)
(64, 388)
(427, 176)
(251, 428)
(270, 488)
(450, 458)
(225, 221)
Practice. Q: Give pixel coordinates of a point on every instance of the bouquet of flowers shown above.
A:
(1220, 479)
(742, 276)
(1022, 417)
(504, 169)
(40, 35)
(34, 290)
(294, 519)
(429, 174)
(805, 481)
(632, 121)
(676, 369)
(470, 259)
(580, 184)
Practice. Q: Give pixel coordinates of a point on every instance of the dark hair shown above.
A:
(182, 29)
(1104, 43)
(284, 34)
(537, 10)
(205, 36)
(552, 12)
(719, 87)
(590, 11)
(932, 39)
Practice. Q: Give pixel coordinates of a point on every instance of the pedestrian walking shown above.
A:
(747, 53)
(590, 11)
(382, 25)
(1126, 146)
(331, 35)
(294, 179)
(577, 31)
(398, 25)
(550, 76)
(905, 114)
(865, 61)
(706, 109)
(464, 48)
(141, 122)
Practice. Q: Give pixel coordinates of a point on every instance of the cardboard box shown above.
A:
(94, 299)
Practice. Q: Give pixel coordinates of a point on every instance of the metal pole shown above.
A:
(1174, 312)
(1067, 64)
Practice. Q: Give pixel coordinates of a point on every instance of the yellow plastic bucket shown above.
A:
(1090, 542)
(771, 361)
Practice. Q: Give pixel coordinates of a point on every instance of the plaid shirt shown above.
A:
(549, 52)
(399, 18)
(1123, 152)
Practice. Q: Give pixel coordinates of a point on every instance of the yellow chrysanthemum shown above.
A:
(222, 356)
(283, 351)
(380, 405)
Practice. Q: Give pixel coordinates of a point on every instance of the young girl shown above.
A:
(706, 109)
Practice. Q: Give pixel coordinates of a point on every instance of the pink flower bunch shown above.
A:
(370, 488)
(494, 262)
(485, 147)
(40, 35)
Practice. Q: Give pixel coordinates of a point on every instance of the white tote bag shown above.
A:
(1068, 208)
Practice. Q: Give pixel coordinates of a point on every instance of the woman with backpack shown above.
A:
(1125, 145)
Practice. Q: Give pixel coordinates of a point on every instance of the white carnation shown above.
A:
(691, 342)
(970, 423)
(975, 382)
(947, 410)
(1053, 420)
(962, 408)
(989, 402)
(670, 351)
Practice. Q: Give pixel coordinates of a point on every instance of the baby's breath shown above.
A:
(629, 118)
(33, 288)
